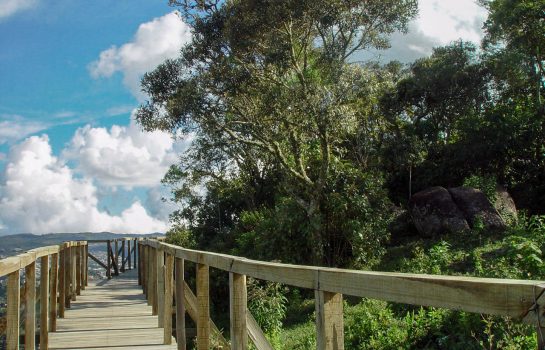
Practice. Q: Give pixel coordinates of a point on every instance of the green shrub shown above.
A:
(435, 261)
(486, 183)
(180, 236)
(267, 303)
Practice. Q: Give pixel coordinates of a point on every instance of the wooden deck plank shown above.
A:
(109, 314)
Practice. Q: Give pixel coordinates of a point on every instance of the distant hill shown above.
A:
(16, 244)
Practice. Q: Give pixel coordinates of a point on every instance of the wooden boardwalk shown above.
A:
(109, 314)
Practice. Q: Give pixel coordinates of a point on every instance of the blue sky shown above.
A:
(70, 157)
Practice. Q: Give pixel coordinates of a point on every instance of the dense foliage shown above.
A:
(301, 155)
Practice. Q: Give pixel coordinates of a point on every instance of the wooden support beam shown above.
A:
(95, 259)
(134, 251)
(255, 333)
(329, 321)
(203, 308)
(62, 276)
(153, 280)
(109, 261)
(123, 256)
(129, 265)
(180, 305)
(114, 263)
(169, 294)
(140, 280)
(116, 258)
(74, 269)
(44, 303)
(78, 269)
(83, 271)
(238, 302)
(192, 308)
(67, 276)
(30, 306)
(14, 301)
(86, 265)
(160, 267)
(53, 282)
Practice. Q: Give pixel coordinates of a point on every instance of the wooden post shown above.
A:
(129, 264)
(153, 281)
(160, 266)
(14, 301)
(74, 268)
(85, 269)
(329, 321)
(123, 256)
(116, 257)
(203, 307)
(238, 301)
(78, 268)
(134, 249)
(62, 275)
(30, 306)
(140, 280)
(44, 302)
(67, 275)
(109, 269)
(53, 281)
(169, 294)
(180, 305)
(86, 264)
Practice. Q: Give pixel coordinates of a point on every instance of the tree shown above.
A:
(274, 76)
(432, 108)
(518, 26)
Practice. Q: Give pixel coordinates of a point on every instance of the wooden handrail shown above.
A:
(160, 273)
(523, 300)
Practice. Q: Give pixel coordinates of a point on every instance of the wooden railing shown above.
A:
(124, 248)
(522, 300)
(63, 275)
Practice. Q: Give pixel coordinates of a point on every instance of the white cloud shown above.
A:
(448, 20)
(15, 127)
(439, 23)
(11, 7)
(39, 194)
(153, 42)
(122, 156)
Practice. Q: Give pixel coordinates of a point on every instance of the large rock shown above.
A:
(434, 212)
(475, 206)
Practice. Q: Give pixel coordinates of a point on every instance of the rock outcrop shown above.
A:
(476, 208)
(434, 212)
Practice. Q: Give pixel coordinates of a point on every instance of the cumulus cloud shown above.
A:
(153, 42)
(39, 194)
(122, 156)
(11, 7)
(439, 23)
(15, 127)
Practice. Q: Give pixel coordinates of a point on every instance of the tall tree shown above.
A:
(274, 75)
